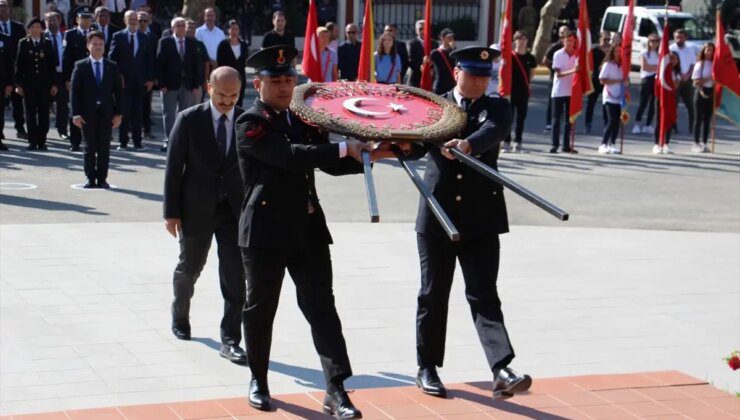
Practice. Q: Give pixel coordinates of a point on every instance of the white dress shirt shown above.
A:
(237, 50)
(211, 38)
(102, 66)
(229, 123)
(687, 55)
(562, 61)
(116, 5)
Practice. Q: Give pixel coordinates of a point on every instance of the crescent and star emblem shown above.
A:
(354, 105)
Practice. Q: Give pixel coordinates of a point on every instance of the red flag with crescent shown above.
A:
(311, 63)
(582, 81)
(665, 88)
(506, 41)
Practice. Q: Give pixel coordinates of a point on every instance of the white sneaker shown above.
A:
(613, 149)
(516, 148)
(603, 149)
(706, 149)
(505, 148)
(657, 150)
(636, 129)
(648, 129)
(666, 150)
(697, 148)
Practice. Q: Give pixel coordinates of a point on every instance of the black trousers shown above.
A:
(133, 114)
(704, 109)
(4, 102)
(647, 100)
(548, 114)
(613, 112)
(519, 105)
(686, 94)
(560, 112)
(18, 112)
(147, 120)
(311, 271)
(37, 101)
(62, 107)
(96, 136)
(479, 260)
(591, 101)
(193, 254)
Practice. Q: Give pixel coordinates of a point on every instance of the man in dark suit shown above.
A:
(16, 31)
(415, 49)
(132, 52)
(283, 227)
(36, 81)
(348, 53)
(202, 195)
(7, 80)
(75, 49)
(96, 108)
(55, 36)
(476, 207)
(146, 27)
(103, 24)
(179, 72)
(401, 50)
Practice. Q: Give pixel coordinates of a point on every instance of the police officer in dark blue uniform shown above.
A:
(476, 206)
(7, 75)
(283, 227)
(36, 81)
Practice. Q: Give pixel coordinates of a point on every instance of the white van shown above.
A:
(650, 19)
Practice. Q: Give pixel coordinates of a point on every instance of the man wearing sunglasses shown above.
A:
(349, 54)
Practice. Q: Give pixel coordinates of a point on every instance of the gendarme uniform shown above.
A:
(476, 206)
(282, 227)
(36, 64)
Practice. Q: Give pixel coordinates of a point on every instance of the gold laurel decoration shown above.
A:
(450, 123)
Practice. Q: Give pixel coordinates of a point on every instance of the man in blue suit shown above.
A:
(132, 51)
(96, 107)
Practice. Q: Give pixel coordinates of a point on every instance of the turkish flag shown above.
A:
(665, 89)
(366, 71)
(724, 70)
(311, 63)
(582, 80)
(426, 68)
(507, 59)
(627, 32)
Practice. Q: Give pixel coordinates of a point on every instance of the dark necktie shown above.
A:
(221, 135)
(182, 48)
(131, 43)
(98, 76)
(465, 104)
(5, 28)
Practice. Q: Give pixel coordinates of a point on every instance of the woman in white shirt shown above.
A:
(649, 66)
(612, 79)
(703, 98)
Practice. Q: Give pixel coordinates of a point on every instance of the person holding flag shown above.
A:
(725, 73)
(611, 77)
(668, 79)
(703, 98)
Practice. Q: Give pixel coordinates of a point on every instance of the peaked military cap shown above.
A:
(84, 11)
(274, 61)
(475, 60)
(35, 20)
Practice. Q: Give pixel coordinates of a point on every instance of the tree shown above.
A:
(193, 9)
(550, 13)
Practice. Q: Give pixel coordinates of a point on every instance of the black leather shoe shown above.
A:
(233, 353)
(506, 383)
(339, 406)
(74, 148)
(3, 147)
(182, 332)
(103, 184)
(259, 395)
(571, 151)
(31, 147)
(429, 383)
(89, 184)
(554, 150)
(21, 134)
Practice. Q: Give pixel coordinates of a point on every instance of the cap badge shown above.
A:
(484, 55)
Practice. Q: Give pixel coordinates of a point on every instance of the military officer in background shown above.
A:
(476, 207)
(7, 76)
(36, 81)
(283, 227)
(75, 49)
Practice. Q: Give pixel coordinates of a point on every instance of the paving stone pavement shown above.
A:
(81, 332)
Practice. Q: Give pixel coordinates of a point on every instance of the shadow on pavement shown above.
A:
(36, 203)
(314, 378)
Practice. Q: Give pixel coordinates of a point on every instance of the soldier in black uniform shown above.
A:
(7, 76)
(283, 227)
(36, 81)
(476, 206)
(75, 49)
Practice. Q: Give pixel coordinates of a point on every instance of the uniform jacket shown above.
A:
(75, 49)
(135, 70)
(173, 71)
(35, 66)
(85, 92)
(474, 203)
(7, 62)
(277, 162)
(197, 178)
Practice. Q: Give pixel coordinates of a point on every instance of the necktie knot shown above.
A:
(223, 119)
(466, 104)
